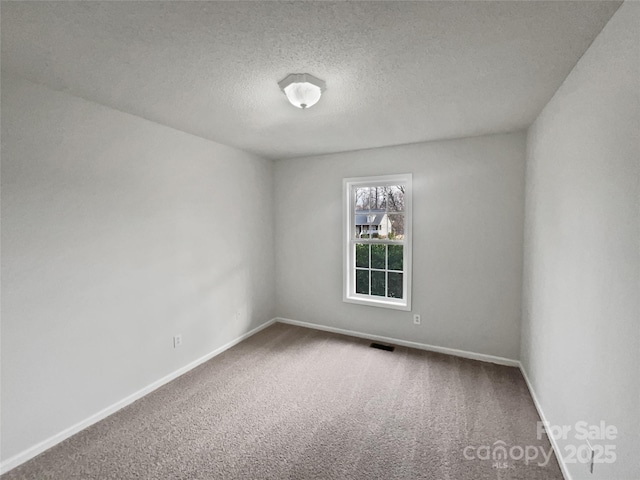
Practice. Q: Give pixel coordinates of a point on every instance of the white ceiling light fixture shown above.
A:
(302, 90)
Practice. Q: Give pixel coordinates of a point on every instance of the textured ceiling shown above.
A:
(396, 72)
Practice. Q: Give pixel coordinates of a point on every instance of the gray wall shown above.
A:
(581, 316)
(118, 233)
(467, 252)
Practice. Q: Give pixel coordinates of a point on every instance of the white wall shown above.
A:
(118, 233)
(467, 252)
(581, 315)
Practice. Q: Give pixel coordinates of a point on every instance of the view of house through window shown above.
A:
(377, 243)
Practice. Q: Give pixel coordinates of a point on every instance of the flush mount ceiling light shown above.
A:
(302, 90)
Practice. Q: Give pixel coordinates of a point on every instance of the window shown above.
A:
(377, 241)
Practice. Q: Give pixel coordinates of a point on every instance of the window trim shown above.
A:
(349, 240)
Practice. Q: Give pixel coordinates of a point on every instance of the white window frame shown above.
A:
(349, 186)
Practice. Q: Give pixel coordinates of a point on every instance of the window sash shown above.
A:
(349, 266)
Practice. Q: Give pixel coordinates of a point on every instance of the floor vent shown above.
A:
(380, 346)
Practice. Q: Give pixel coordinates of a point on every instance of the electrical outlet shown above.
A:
(177, 341)
(416, 319)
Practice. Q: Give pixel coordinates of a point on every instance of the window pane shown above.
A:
(395, 285)
(362, 255)
(378, 253)
(361, 227)
(378, 198)
(362, 281)
(362, 198)
(378, 283)
(395, 198)
(385, 226)
(397, 226)
(375, 220)
(395, 257)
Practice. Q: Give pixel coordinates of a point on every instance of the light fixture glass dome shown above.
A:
(302, 90)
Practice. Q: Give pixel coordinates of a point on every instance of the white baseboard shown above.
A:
(405, 343)
(552, 440)
(37, 449)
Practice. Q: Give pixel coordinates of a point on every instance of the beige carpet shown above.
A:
(294, 403)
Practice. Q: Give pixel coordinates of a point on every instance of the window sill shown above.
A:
(382, 303)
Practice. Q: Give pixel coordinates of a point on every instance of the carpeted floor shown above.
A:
(294, 403)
